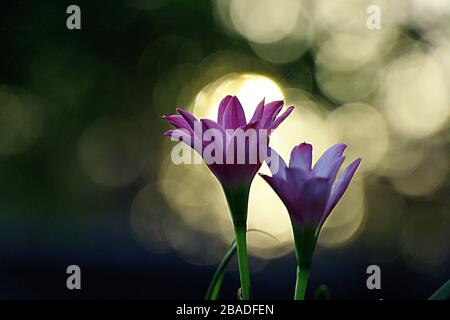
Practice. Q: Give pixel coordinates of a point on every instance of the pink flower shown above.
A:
(234, 150)
(237, 147)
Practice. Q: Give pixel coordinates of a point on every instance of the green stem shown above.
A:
(301, 282)
(237, 199)
(241, 241)
(216, 282)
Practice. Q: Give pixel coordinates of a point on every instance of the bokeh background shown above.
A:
(86, 176)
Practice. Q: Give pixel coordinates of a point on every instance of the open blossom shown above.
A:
(233, 148)
(310, 193)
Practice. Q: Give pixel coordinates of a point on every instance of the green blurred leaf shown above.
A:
(322, 293)
(216, 282)
(443, 293)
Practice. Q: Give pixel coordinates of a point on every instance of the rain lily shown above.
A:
(234, 150)
(309, 194)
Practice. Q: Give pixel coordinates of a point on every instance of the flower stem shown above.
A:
(237, 199)
(301, 282)
(241, 242)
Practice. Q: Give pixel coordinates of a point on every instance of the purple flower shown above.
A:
(234, 150)
(238, 147)
(309, 194)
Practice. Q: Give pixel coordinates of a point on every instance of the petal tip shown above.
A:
(341, 146)
(305, 144)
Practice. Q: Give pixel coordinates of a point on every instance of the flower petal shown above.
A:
(312, 200)
(214, 133)
(341, 185)
(184, 136)
(281, 118)
(177, 121)
(258, 112)
(233, 116)
(276, 163)
(327, 159)
(283, 190)
(270, 111)
(190, 119)
(222, 106)
(301, 156)
(296, 178)
(180, 135)
(210, 124)
(332, 169)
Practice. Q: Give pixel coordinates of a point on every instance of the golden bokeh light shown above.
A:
(344, 52)
(427, 13)
(264, 21)
(292, 46)
(365, 132)
(427, 177)
(306, 124)
(402, 157)
(199, 200)
(249, 88)
(416, 97)
(347, 219)
(343, 86)
(277, 31)
(351, 15)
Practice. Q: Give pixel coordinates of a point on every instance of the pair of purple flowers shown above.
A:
(309, 192)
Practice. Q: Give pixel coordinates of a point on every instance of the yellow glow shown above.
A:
(249, 88)
(402, 158)
(364, 131)
(291, 47)
(351, 15)
(416, 98)
(264, 21)
(426, 13)
(347, 219)
(346, 51)
(349, 86)
(427, 177)
(306, 124)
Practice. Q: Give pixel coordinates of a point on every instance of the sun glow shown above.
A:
(248, 87)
